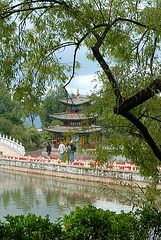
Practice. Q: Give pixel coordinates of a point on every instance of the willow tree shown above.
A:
(122, 36)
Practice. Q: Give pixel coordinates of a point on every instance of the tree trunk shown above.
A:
(144, 131)
(123, 107)
(139, 98)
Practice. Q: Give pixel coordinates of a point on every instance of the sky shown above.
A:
(85, 76)
(84, 79)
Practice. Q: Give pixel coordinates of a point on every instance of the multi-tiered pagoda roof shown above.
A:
(73, 120)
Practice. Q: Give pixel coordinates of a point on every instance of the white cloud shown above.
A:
(85, 83)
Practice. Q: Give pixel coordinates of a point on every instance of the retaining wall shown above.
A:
(109, 176)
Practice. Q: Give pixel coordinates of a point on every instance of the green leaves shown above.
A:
(51, 104)
(86, 223)
(126, 36)
(92, 223)
(30, 227)
(43, 28)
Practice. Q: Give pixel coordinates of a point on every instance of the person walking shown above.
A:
(68, 151)
(73, 149)
(61, 150)
(48, 150)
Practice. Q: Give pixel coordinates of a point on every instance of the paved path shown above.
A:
(8, 151)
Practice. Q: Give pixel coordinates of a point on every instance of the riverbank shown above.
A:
(119, 174)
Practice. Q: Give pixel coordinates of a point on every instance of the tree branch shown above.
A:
(108, 73)
(131, 21)
(152, 57)
(9, 11)
(143, 130)
(74, 58)
(138, 98)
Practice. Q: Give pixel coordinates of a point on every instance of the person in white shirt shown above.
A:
(61, 150)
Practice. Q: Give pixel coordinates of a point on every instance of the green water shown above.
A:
(22, 193)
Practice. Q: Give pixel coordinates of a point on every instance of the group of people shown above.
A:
(64, 151)
(67, 151)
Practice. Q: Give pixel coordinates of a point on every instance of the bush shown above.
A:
(20, 133)
(30, 138)
(93, 223)
(35, 137)
(5, 126)
(88, 223)
(30, 227)
(149, 222)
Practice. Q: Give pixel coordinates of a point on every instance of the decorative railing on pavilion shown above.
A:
(12, 144)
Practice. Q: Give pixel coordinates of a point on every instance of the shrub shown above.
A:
(88, 223)
(35, 137)
(5, 126)
(92, 223)
(149, 222)
(30, 227)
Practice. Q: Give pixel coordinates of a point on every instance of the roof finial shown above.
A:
(77, 91)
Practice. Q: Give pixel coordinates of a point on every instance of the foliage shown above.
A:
(30, 138)
(150, 222)
(55, 122)
(92, 223)
(11, 123)
(8, 107)
(22, 135)
(30, 104)
(18, 132)
(5, 126)
(30, 227)
(46, 136)
(35, 137)
(123, 37)
(122, 137)
(137, 197)
(52, 105)
(86, 223)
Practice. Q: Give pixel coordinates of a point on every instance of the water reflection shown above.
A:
(21, 193)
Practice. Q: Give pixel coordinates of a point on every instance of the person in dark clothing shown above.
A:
(48, 150)
(73, 149)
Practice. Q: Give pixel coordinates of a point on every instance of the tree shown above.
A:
(35, 137)
(22, 135)
(85, 223)
(29, 100)
(123, 37)
(8, 108)
(5, 126)
(52, 105)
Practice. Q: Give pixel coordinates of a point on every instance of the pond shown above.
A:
(22, 193)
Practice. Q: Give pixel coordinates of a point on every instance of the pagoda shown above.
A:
(74, 123)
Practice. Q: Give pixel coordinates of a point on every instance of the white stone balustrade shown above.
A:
(11, 143)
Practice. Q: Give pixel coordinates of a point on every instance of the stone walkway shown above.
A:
(8, 152)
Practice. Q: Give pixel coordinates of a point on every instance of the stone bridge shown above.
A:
(10, 147)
